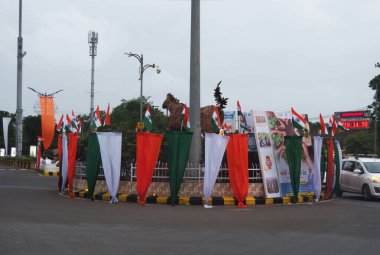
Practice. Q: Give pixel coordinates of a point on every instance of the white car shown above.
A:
(360, 175)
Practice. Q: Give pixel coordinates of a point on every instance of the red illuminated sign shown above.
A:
(352, 114)
(356, 124)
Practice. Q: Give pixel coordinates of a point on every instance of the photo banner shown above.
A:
(266, 155)
(47, 120)
(147, 152)
(6, 121)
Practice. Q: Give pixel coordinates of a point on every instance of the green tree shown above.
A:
(360, 142)
(375, 82)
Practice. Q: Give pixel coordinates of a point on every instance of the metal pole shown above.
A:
(195, 149)
(376, 99)
(92, 86)
(141, 84)
(19, 85)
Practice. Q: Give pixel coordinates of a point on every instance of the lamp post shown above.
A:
(375, 139)
(142, 69)
(93, 43)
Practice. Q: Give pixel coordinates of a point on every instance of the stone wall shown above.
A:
(188, 188)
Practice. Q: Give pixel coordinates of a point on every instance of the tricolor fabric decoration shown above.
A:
(110, 150)
(65, 162)
(80, 122)
(69, 126)
(59, 145)
(6, 121)
(215, 146)
(317, 182)
(215, 120)
(237, 161)
(148, 119)
(338, 165)
(324, 130)
(72, 158)
(242, 120)
(340, 124)
(92, 163)
(185, 124)
(74, 124)
(147, 152)
(178, 152)
(97, 119)
(334, 129)
(107, 120)
(59, 125)
(47, 120)
(330, 168)
(299, 122)
(38, 156)
(293, 145)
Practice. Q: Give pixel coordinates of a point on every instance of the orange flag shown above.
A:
(47, 120)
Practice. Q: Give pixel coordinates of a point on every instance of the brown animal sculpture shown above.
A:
(175, 108)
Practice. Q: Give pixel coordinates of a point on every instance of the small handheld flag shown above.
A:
(59, 125)
(185, 118)
(324, 130)
(298, 121)
(215, 120)
(148, 119)
(107, 120)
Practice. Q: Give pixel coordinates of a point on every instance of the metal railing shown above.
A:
(161, 173)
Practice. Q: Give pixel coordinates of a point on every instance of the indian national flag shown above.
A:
(243, 121)
(69, 127)
(59, 125)
(340, 124)
(324, 130)
(107, 120)
(97, 118)
(73, 120)
(298, 121)
(185, 118)
(79, 129)
(334, 129)
(215, 120)
(148, 119)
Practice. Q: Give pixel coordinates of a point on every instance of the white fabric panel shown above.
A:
(317, 166)
(65, 161)
(340, 155)
(110, 150)
(215, 146)
(6, 121)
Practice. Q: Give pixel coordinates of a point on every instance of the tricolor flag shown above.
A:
(185, 118)
(324, 130)
(107, 121)
(243, 122)
(79, 129)
(340, 124)
(73, 120)
(298, 121)
(334, 129)
(97, 121)
(226, 128)
(148, 119)
(69, 127)
(59, 125)
(215, 120)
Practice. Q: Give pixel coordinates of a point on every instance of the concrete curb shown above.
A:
(228, 201)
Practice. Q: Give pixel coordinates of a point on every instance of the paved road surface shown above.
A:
(34, 219)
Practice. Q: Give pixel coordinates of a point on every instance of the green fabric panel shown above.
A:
(178, 152)
(293, 145)
(323, 161)
(93, 162)
(337, 168)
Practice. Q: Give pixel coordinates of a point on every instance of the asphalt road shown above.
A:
(34, 219)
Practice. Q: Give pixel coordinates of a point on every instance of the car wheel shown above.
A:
(339, 193)
(367, 193)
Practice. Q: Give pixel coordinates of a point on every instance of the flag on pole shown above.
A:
(79, 129)
(226, 128)
(97, 118)
(243, 122)
(107, 121)
(73, 120)
(298, 121)
(323, 126)
(334, 129)
(148, 119)
(185, 118)
(340, 124)
(59, 125)
(69, 127)
(215, 120)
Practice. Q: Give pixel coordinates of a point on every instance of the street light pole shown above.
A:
(142, 69)
(20, 56)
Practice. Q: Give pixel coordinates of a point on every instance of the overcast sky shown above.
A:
(316, 55)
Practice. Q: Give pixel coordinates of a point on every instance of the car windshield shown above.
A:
(372, 167)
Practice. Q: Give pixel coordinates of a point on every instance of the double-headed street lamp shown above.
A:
(142, 68)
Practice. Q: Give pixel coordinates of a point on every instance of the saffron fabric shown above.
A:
(237, 160)
(148, 149)
(330, 167)
(47, 120)
(72, 157)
